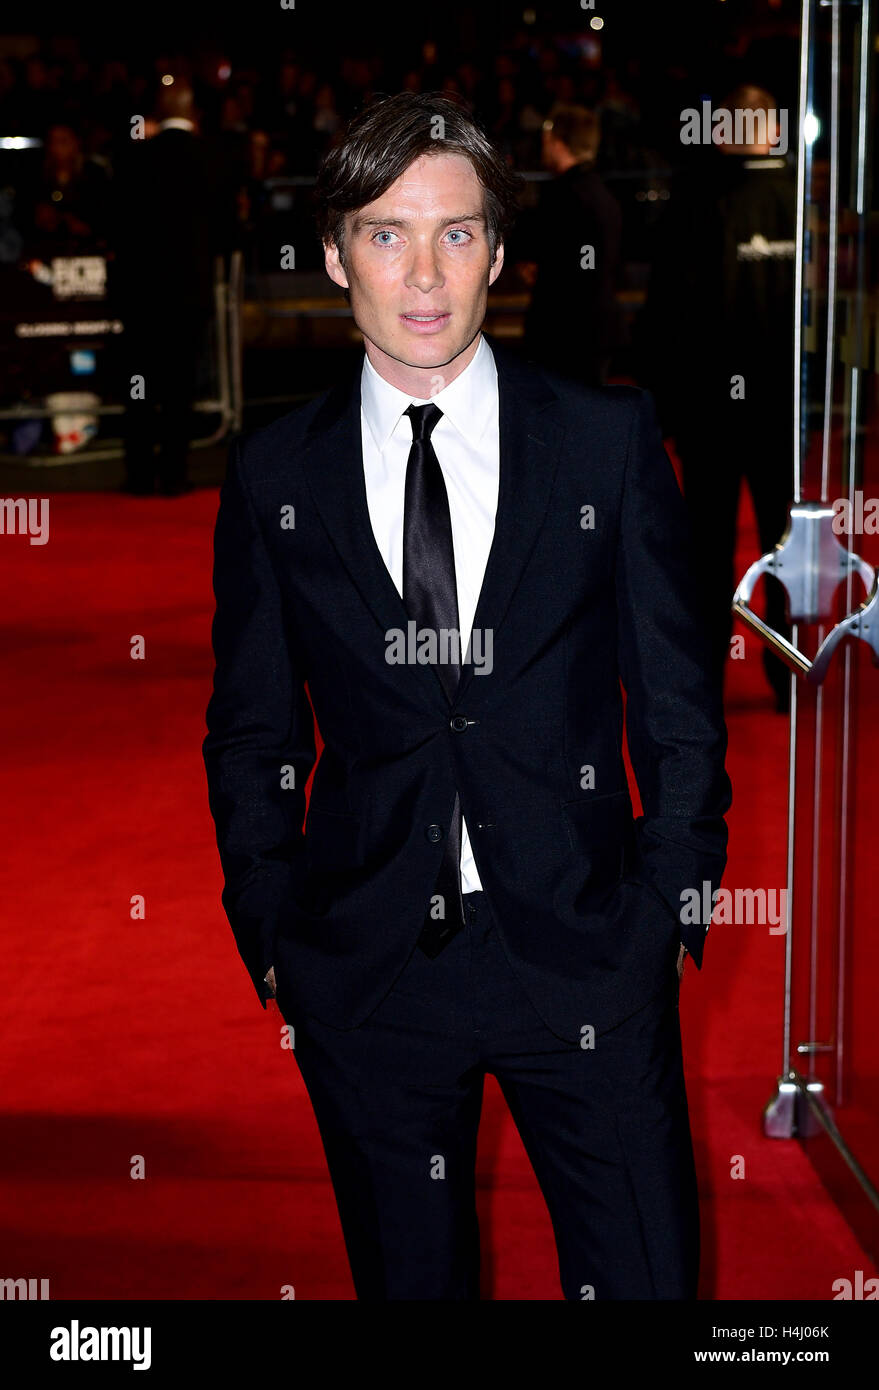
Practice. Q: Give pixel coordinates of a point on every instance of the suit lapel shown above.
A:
(530, 436)
(333, 464)
(530, 439)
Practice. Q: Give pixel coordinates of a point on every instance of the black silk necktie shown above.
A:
(430, 597)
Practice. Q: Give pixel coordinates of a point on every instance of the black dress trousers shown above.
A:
(606, 1127)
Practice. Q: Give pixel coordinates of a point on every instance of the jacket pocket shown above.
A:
(332, 858)
(332, 839)
(601, 831)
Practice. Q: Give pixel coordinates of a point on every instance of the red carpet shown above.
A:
(130, 1037)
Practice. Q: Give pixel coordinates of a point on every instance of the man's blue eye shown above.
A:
(460, 232)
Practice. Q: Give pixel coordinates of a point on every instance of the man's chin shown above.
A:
(434, 350)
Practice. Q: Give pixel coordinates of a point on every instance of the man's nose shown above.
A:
(424, 271)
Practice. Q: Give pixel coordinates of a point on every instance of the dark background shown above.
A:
(272, 87)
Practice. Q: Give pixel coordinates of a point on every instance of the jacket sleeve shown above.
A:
(674, 710)
(259, 720)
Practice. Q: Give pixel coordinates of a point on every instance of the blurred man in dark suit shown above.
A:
(716, 343)
(571, 250)
(168, 232)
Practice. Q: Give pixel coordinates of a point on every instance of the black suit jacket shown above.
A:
(174, 214)
(582, 211)
(588, 900)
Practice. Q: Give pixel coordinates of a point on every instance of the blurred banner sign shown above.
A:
(79, 277)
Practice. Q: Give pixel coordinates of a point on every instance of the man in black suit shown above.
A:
(571, 249)
(171, 221)
(721, 299)
(463, 556)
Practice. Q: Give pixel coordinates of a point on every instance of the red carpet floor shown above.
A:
(127, 1041)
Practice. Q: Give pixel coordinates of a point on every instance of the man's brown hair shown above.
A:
(390, 133)
(578, 129)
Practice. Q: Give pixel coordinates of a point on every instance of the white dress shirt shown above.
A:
(466, 443)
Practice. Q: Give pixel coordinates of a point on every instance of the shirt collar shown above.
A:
(467, 401)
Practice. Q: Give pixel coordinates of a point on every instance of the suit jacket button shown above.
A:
(434, 833)
(459, 723)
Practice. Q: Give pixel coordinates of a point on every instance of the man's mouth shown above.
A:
(425, 323)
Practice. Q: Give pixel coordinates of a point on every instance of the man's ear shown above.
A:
(333, 264)
(497, 263)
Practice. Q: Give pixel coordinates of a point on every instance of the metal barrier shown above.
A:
(825, 1090)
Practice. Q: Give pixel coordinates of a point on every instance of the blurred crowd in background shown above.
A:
(159, 166)
(270, 118)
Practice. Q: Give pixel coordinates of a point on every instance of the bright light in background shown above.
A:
(811, 128)
(167, 80)
(596, 22)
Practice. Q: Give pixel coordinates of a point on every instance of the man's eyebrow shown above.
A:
(360, 221)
